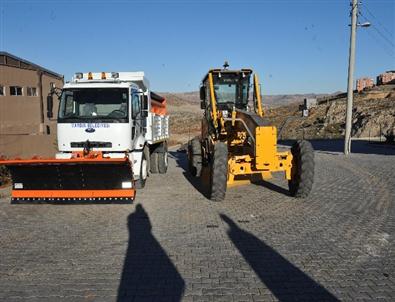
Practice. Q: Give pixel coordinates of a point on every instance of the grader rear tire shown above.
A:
(302, 169)
(219, 172)
(195, 157)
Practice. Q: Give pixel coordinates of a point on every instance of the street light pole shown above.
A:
(350, 85)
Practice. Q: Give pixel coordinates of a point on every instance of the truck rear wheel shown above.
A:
(195, 157)
(154, 162)
(162, 162)
(302, 169)
(219, 172)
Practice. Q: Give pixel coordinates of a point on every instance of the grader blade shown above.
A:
(71, 179)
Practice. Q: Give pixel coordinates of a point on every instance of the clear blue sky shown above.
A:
(295, 46)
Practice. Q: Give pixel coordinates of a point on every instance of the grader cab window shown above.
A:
(226, 93)
(231, 90)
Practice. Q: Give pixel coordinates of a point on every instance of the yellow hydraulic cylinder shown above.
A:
(258, 95)
(213, 100)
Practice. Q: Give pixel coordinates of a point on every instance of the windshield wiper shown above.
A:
(70, 116)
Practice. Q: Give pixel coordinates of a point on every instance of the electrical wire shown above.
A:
(377, 19)
(387, 37)
(390, 50)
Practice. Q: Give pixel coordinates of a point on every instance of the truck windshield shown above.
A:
(110, 104)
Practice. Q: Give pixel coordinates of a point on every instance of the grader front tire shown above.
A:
(302, 169)
(219, 172)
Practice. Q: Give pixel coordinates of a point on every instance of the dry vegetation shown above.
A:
(4, 175)
(185, 116)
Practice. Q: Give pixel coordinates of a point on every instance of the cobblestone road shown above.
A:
(173, 244)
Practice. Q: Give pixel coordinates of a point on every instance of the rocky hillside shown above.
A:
(185, 113)
(270, 101)
(373, 115)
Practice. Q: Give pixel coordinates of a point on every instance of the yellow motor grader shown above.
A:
(237, 144)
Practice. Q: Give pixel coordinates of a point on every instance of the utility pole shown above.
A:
(40, 91)
(350, 85)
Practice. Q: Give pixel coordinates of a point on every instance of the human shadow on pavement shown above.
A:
(357, 146)
(148, 272)
(285, 281)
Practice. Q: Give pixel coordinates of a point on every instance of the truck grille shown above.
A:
(91, 144)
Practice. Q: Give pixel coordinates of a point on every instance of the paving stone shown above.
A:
(172, 244)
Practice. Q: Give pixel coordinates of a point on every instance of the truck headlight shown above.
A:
(126, 185)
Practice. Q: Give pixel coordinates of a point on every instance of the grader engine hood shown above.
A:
(101, 136)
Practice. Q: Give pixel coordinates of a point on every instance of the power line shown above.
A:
(377, 19)
(383, 36)
(385, 48)
(389, 39)
(389, 50)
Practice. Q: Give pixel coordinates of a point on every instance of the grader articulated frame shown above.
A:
(237, 144)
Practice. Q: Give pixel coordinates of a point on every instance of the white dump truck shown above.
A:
(112, 131)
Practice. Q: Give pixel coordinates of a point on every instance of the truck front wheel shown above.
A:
(140, 183)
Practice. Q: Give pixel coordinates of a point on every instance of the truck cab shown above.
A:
(115, 114)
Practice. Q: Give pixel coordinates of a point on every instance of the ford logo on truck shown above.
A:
(90, 130)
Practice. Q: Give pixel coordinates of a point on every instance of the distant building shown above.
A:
(24, 87)
(364, 83)
(309, 103)
(386, 78)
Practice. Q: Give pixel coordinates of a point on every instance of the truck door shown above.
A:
(137, 126)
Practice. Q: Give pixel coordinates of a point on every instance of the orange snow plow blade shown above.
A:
(79, 178)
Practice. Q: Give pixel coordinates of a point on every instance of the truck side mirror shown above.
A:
(144, 103)
(49, 106)
(202, 93)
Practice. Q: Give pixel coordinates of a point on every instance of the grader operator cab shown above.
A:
(237, 143)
